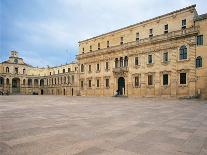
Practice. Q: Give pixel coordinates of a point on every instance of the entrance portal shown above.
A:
(15, 85)
(121, 86)
(42, 92)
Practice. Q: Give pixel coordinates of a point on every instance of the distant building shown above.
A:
(163, 56)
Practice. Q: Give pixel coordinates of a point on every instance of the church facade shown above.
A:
(161, 57)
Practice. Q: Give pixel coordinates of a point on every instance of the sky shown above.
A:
(46, 32)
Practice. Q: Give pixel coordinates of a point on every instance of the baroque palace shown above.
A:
(163, 56)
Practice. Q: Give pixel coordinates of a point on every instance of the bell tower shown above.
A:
(14, 54)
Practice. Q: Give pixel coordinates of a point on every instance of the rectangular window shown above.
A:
(150, 80)
(89, 68)
(107, 65)
(200, 40)
(137, 36)
(16, 70)
(90, 48)
(150, 32)
(99, 46)
(165, 57)
(89, 83)
(97, 67)
(183, 79)
(97, 83)
(166, 28)
(136, 81)
(63, 70)
(121, 40)
(107, 83)
(184, 24)
(108, 44)
(165, 79)
(136, 61)
(149, 59)
(81, 84)
(83, 49)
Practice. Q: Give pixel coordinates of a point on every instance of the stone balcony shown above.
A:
(155, 39)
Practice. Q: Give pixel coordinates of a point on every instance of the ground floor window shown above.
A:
(97, 83)
(150, 80)
(81, 84)
(89, 83)
(165, 79)
(183, 78)
(107, 83)
(136, 81)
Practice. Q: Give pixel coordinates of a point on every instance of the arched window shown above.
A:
(125, 61)
(121, 62)
(116, 62)
(7, 69)
(198, 62)
(24, 81)
(183, 52)
(29, 82)
(82, 68)
(36, 82)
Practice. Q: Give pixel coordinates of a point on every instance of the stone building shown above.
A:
(17, 77)
(163, 56)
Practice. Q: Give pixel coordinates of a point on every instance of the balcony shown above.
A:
(120, 69)
(155, 39)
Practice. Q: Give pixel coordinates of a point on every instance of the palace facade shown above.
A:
(163, 56)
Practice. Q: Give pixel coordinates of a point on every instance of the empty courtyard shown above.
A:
(59, 125)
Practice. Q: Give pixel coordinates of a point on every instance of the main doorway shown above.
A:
(121, 86)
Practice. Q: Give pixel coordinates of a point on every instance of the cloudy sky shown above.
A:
(46, 32)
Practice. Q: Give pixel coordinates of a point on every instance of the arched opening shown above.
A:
(30, 82)
(24, 82)
(15, 85)
(64, 92)
(121, 86)
(125, 61)
(42, 82)
(42, 92)
(35, 82)
(1, 81)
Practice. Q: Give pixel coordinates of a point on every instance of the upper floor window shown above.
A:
(184, 24)
(16, 61)
(165, 57)
(198, 62)
(58, 71)
(150, 32)
(90, 48)
(183, 78)
(82, 68)
(108, 44)
(24, 71)
(136, 61)
(89, 68)
(125, 61)
(183, 52)
(107, 65)
(166, 28)
(7, 69)
(137, 36)
(50, 73)
(121, 40)
(68, 69)
(150, 59)
(16, 70)
(99, 46)
(83, 50)
(136, 81)
(121, 62)
(165, 79)
(97, 67)
(200, 40)
(63, 70)
(116, 62)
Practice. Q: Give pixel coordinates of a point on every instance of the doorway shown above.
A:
(42, 92)
(121, 86)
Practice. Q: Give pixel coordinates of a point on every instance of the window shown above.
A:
(16, 61)
(16, 70)
(116, 62)
(89, 83)
(7, 69)
(150, 80)
(97, 67)
(198, 62)
(90, 48)
(82, 68)
(50, 73)
(81, 84)
(150, 32)
(121, 62)
(58, 71)
(89, 68)
(24, 71)
(137, 36)
(122, 40)
(166, 28)
(183, 79)
(149, 59)
(108, 44)
(68, 69)
(125, 61)
(200, 40)
(97, 83)
(136, 81)
(63, 70)
(107, 65)
(99, 46)
(184, 24)
(107, 83)
(165, 79)
(165, 56)
(183, 52)
(83, 50)
(136, 61)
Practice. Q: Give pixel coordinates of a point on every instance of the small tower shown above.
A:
(14, 54)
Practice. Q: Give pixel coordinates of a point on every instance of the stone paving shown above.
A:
(59, 125)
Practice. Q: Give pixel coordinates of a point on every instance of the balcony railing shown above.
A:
(154, 39)
(120, 69)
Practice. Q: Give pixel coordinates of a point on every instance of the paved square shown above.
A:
(58, 125)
